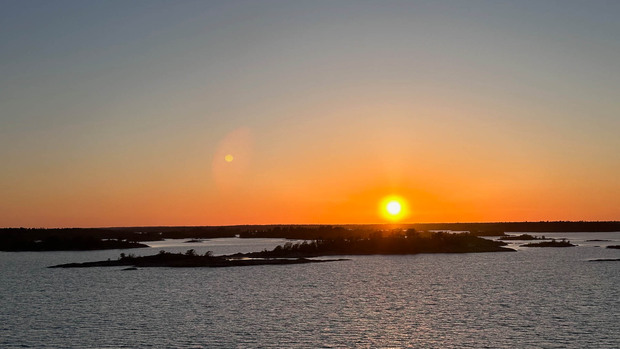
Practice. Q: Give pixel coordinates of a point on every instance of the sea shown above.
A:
(531, 298)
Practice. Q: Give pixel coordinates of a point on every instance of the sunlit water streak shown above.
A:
(549, 298)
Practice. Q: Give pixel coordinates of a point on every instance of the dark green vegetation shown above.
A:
(188, 259)
(552, 243)
(39, 239)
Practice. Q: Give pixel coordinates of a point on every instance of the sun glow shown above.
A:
(393, 208)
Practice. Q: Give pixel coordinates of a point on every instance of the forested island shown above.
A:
(411, 242)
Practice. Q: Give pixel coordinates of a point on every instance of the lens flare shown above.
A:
(236, 150)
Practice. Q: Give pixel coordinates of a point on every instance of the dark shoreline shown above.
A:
(552, 243)
(178, 260)
(78, 239)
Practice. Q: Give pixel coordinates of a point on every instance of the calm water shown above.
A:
(533, 298)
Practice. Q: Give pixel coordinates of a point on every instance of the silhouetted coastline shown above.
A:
(76, 243)
(41, 239)
(188, 259)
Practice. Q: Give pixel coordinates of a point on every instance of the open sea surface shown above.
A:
(532, 298)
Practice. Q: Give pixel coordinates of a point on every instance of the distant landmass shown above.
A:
(66, 243)
(41, 239)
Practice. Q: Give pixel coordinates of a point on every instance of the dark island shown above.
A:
(614, 246)
(552, 243)
(188, 259)
(411, 242)
(521, 237)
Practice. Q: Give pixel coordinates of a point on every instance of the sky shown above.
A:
(146, 113)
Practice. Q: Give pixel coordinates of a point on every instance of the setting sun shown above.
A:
(393, 208)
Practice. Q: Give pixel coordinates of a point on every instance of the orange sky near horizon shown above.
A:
(269, 112)
(334, 185)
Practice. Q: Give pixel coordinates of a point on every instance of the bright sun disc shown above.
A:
(393, 207)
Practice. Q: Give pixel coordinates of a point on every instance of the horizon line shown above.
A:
(312, 224)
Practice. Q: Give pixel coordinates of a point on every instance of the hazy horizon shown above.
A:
(196, 113)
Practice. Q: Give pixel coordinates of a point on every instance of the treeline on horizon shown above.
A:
(41, 239)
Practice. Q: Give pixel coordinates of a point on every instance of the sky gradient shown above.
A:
(122, 113)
